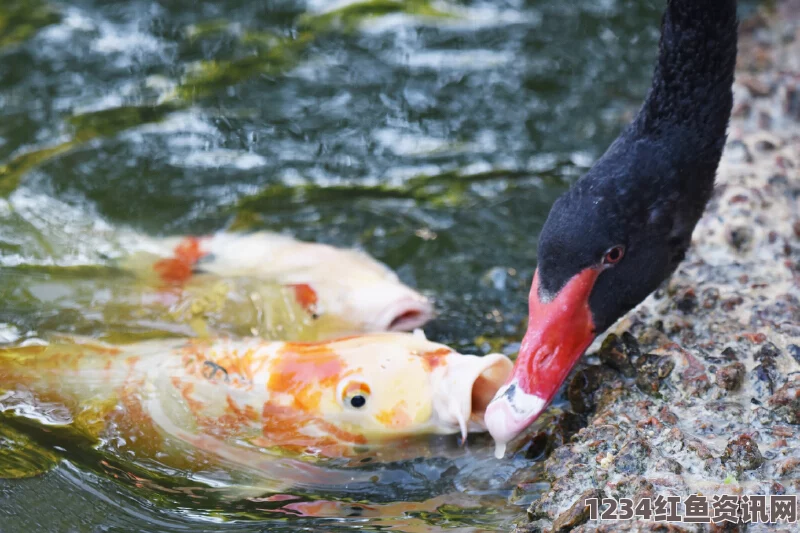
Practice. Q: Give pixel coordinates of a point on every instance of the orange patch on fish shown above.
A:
(355, 388)
(178, 269)
(306, 296)
(232, 421)
(284, 426)
(396, 417)
(342, 435)
(297, 365)
(135, 419)
(186, 390)
(435, 358)
(302, 370)
(249, 413)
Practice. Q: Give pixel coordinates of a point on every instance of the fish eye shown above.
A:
(358, 401)
(614, 255)
(355, 394)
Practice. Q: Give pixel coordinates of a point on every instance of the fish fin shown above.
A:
(420, 334)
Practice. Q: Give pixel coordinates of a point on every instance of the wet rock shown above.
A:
(701, 450)
(766, 142)
(585, 383)
(686, 301)
(666, 464)
(766, 372)
(765, 378)
(788, 466)
(730, 377)
(540, 526)
(729, 354)
(558, 433)
(561, 496)
(738, 152)
(787, 401)
(608, 396)
(740, 237)
(561, 461)
(742, 453)
(577, 514)
(633, 486)
(667, 416)
(729, 304)
(651, 370)
(710, 297)
(767, 352)
(794, 351)
(694, 377)
(632, 458)
(619, 352)
(756, 87)
(538, 446)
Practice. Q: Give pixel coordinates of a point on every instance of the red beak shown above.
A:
(559, 331)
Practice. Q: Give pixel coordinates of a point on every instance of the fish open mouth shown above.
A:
(467, 388)
(407, 315)
(402, 321)
(487, 384)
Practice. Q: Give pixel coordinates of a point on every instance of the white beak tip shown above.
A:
(500, 450)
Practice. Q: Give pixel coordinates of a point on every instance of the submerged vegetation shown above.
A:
(272, 54)
(20, 19)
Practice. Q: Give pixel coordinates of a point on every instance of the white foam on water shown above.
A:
(219, 158)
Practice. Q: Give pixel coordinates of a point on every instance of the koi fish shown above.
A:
(324, 280)
(240, 401)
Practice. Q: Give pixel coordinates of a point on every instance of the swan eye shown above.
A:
(614, 255)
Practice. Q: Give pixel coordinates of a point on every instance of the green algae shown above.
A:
(350, 17)
(448, 189)
(20, 457)
(274, 56)
(86, 127)
(108, 122)
(21, 19)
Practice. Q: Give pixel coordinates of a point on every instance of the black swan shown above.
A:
(624, 227)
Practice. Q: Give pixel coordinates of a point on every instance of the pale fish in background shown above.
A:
(260, 284)
(202, 404)
(365, 295)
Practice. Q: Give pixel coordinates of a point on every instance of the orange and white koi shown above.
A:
(233, 398)
(326, 281)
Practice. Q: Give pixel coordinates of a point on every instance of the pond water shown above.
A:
(433, 135)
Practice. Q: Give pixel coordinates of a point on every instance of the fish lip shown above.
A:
(464, 389)
(406, 314)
